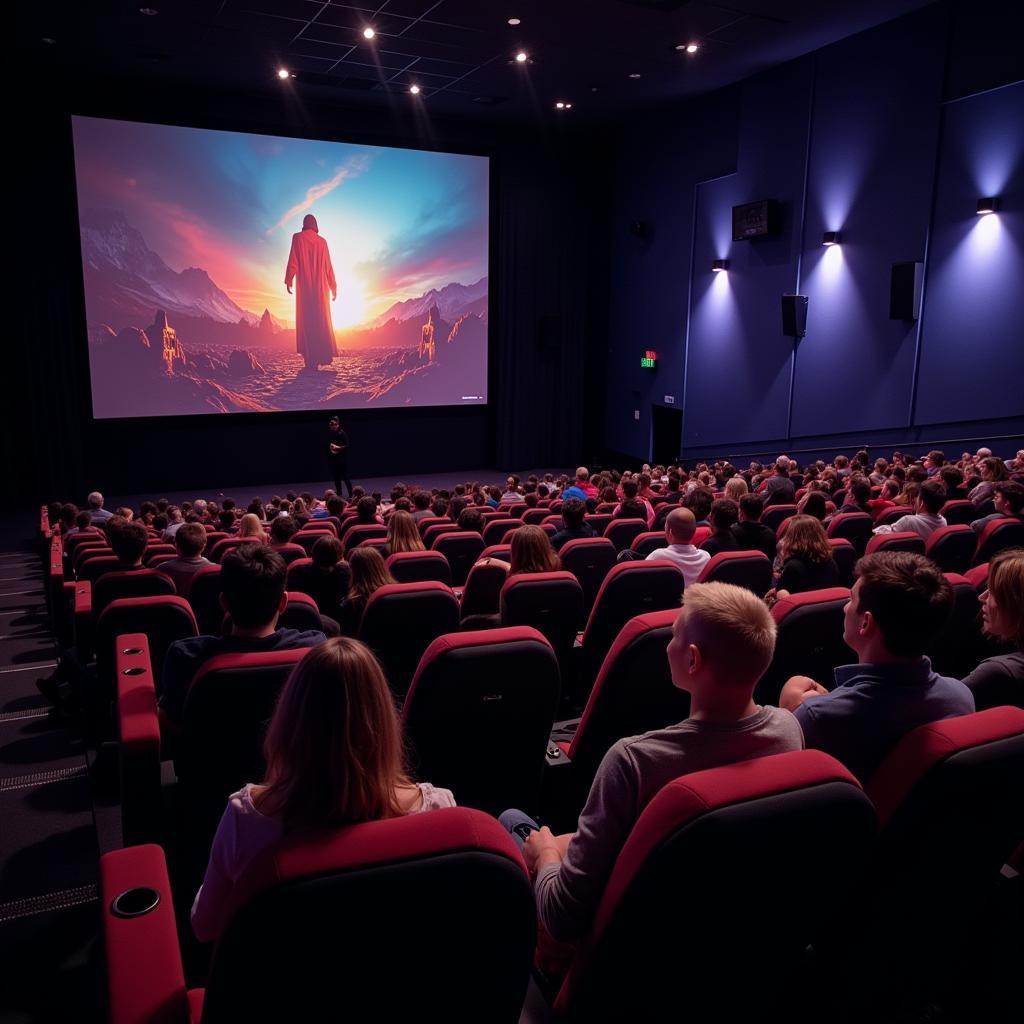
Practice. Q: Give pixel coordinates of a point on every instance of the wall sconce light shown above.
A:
(830, 238)
(988, 205)
(719, 265)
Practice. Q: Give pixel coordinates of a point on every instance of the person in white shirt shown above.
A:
(679, 530)
(925, 519)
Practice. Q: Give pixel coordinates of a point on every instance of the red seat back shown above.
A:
(204, 597)
(497, 690)
(952, 547)
(997, 536)
(461, 548)
(416, 566)
(498, 529)
(551, 602)
(751, 570)
(960, 512)
(589, 559)
(845, 557)
(432, 532)
(622, 532)
(905, 541)
(357, 534)
(133, 583)
(222, 547)
(957, 648)
(854, 526)
(775, 515)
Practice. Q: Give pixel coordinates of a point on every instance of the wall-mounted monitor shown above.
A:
(755, 220)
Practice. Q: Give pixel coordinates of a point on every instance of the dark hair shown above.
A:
(471, 519)
(573, 511)
(327, 552)
(724, 512)
(421, 500)
(860, 491)
(283, 528)
(127, 540)
(752, 507)
(698, 501)
(1013, 492)
(252, 580)
(908, 597)
(632, 508)
(815, 505)
(932, 496)
(366, 510)
(83, 520)
(190, 540)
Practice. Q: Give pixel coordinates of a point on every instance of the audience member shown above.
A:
(750, 533)
(282, 529)
(778, 489)
(1000, 680)
(722, 642)
(252, 579)
(369, 573)
(926, 518)
(724, 516)
(680, 527)
(175, 521)
(993, 471)
(582, 488)
(250, 526)
(334, 756)
(128, 542)
(574, 524)
(97, 512)
(471, 519)
(403, 534)
(699, 502)
(531, 552)
(190, 541)
(805, 556)
(899, 604)
(326, 578)
(1008, 499)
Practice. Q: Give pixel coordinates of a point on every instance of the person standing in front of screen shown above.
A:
(309, 268)
(337, 455)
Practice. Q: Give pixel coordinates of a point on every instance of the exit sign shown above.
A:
(649, 360)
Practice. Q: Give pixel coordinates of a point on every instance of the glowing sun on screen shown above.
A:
(350, 308)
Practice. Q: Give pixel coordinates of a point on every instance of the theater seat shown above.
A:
(534, 516)
(400, 622)
(357, 534)
(446, 893)
(478, 715)
(136, 583)
(753, 821)
(630, 589)
(950, 802)
(952, 547)
(959, 512)
(295, 552)
(845, 557)
(648, 541)
(751, 570)
(957, 649)
(633, 693)
(300, 613)
(809, 641)
(589, 559)
(416, 566)
(204, 597)
(497, 530)
(622, 532)
(904, 541)
(997, 536)
(854, 526)
(892, 515)
(222, 547)
(427, 521)
(551, 602)
(775, 515)
(441, 529)
(978, 577)
(481, 597)
(461, 549)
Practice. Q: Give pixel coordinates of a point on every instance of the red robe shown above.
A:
(309, 266)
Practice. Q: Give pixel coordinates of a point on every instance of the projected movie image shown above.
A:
(245, 273)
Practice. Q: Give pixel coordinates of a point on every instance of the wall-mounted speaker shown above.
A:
(905, 287)
(794, 315)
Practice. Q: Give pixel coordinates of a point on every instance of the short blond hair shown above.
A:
(736, 487)
(733, 629)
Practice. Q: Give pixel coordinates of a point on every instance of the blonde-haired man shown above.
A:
(722, 642)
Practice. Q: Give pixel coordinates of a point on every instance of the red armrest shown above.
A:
(145, 978)
(138, 729)
(83, 620)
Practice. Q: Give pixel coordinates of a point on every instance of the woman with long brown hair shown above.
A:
(369, 573)
(531, 552)
(403, 534)
(334, 757)
(806, 557)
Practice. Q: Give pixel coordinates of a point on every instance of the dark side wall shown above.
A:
(872, 137)
(545, 202)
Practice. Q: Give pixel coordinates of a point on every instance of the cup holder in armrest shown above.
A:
(135, 902)
(137, 670)
(131, 650)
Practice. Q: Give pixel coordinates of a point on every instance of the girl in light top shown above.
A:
(334, 757)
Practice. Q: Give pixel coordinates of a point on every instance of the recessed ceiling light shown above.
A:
(283, 73)
(368, 33)
(149, 12)
(559, 105)
(521, 57)
(689, 47)
(514, 21)
(49, 40)
(414, 89)
(635, 74)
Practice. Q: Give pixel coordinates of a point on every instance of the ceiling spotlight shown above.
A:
(514, 21)
(368, 33)
(559, 105)
(988, 205)
(283, 73)
(568, 106)
(414, 89)
(830, 238)
(521, 57)
(635, 74)
(688, 47)
(49, 40)
(149, 12)
(718, 266)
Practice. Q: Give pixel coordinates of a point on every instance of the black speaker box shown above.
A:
(905, 285)
(794, 315)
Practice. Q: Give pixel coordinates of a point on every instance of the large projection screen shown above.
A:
(227, 272)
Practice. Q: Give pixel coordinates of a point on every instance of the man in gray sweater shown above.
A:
(721, 644)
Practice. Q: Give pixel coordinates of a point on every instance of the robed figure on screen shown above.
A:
(309, 267)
